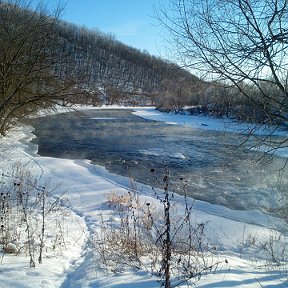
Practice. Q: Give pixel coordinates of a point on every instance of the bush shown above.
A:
(25, 210)
(151, 235)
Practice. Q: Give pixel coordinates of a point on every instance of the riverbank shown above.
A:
(87, 188)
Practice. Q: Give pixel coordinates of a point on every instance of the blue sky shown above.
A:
(131, 21)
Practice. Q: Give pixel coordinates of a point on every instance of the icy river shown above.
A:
(213, 166)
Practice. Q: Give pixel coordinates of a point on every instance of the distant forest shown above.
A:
(114, 73)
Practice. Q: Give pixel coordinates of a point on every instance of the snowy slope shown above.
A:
(87, 189)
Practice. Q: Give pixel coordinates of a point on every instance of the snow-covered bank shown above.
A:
(207, 123)
(220, 124)
(87, 189)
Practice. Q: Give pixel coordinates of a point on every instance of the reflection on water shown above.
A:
(215, 168)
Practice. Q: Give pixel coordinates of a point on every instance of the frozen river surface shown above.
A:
(213, 165)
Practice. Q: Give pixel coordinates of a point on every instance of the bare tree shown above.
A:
(241, 43)
(28, 61)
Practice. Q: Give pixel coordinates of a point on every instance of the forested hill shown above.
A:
(111, 68)
(44, 60)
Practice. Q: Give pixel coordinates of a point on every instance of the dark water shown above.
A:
(215, 168)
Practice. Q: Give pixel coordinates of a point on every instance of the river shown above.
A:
(212, 165)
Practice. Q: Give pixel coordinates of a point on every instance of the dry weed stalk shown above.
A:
(140, 235)
(25, 213)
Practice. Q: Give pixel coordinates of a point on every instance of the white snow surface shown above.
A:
(87, 188)
(208, 123)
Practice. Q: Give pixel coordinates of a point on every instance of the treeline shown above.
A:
(245, 103)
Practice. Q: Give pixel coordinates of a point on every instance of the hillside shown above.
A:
(107, 66)
(45, 60)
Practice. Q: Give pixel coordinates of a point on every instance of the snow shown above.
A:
(208, 123)
(87, 188)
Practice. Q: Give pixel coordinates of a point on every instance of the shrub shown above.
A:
(25, 209)
(150, 235)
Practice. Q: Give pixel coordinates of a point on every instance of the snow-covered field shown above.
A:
(87, 188)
